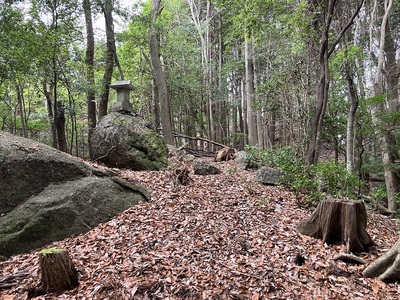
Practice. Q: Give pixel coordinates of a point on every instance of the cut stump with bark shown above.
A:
(386, 267)
(225, 154)
(338, 221)
(58, 271)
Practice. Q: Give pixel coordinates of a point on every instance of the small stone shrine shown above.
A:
(123, 89)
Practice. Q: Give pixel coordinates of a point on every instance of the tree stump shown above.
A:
(58, 271)
(181, 176)
(386, 267)
(225, 154)
(337, 221)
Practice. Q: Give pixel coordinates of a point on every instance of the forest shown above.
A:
(307, 85)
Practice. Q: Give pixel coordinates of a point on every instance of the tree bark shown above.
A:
(249, 93)
(386, 267)
(107, 9)
(159, 76)
(22, 110)
(392, 72)
(339, 221)
(322, 26)
(60, 127)
(202, 24)
(58, 272)
(89, 61)
(352, 92)
(50, 114)
(386, 129)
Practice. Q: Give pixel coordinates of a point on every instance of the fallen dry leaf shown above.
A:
(218, 237)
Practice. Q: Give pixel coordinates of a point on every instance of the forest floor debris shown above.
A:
(218, 237)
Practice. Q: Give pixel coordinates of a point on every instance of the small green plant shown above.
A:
(263, 203)
(315, 181)
(253, 155)
(379, 193)
(232, 170)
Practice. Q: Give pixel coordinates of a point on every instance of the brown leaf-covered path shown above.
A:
(219, 237)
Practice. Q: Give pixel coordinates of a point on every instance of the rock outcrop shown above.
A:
(204, 168)
(48, 195)
(244, 161)
(268, 176)
(124, 141)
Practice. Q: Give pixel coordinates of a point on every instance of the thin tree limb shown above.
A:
(344, 29)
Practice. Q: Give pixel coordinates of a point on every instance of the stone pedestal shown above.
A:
(123, 89)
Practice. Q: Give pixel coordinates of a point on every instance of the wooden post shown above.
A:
(58, 271)
(337, 221)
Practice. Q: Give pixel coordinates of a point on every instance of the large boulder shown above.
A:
(244, 161)
(268, 176)
(205, 168)
(124, 141)
(48, 195)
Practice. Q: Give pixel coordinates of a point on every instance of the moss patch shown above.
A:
(50, 251)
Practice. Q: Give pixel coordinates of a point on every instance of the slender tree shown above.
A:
(159, 76)
(250, 91)
(107, 9)
(386, 64)
(324, 13)
(89, 61)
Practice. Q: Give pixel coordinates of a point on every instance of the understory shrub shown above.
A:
(316, 181)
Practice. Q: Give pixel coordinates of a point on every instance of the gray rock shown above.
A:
(50, 195)
(27, 167)
(204, 168)
(268, 176)
(124, 141)
(244, 161)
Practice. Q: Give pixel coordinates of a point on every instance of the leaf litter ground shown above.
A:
(219, 237)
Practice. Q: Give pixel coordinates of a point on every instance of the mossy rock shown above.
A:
(48, 195)
(65, 209)
(124, 141)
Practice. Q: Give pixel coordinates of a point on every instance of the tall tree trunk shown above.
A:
(222, 108)
(271, 129)
(205, 45)
(22, 111)
(159, 76)
(107, 9)
(388, 144)
(243, 112)
(352, 92)
(208, 78)
(249, 93)
(391, 74)
(322, 26)
(59, 119)
(89, 61)
(50, 114)
(259, 117)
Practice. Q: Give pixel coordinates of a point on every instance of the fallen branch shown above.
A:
(9, 281)
(104, 156)
(199, 153)
(199, 139)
